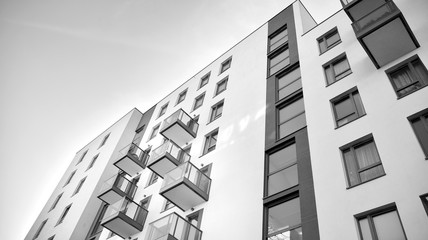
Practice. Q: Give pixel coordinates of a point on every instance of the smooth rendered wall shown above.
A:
(386, 118)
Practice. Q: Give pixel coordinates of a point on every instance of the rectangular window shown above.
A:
(204, 80)
(55, 201)
(39, 230)
(91, 164)
(278, 38)
(64, 214)
(362, 161)
(226, 65)
(291, 118)
(382, 224)
(419, 123)
(216, 110)
(181, 96)
(424, 199)
(337, 69)
(199, 100)
(104, 140)
(347, 107)
(153, 179)
(221, 86)
(288, 83)
(79, 186)
(282, 166)
(82, 157)
(284, 221)
(278, 60)
(162, 111)
(155, 131)
(408, 76)
(329, 40)
(210, 141)
(69, 178)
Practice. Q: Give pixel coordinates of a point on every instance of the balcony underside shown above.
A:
(184, 194)
(112, 195)
(122, 225)
(130, 164)
(163, 164)
(178, 133)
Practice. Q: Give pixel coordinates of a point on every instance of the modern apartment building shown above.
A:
(302, 130)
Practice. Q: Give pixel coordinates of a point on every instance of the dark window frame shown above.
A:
(152, 179)
(283, 103)
(163, 109)
(214, 115)
(40, 228)
(282, 74)
(331, 64)
(274, 34)
(200, 97)
(155, 131)
(93, 231)
(419, 116)
(207, 141)
(181, 95)
(202, 82)
(325, 36)
(223, 81)
(167, 205)
(349, 94)
(228, 63)
(274, 54)
(424, 199)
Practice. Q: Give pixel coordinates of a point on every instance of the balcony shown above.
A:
(117, 187)
(167, 157)
(132, 159)
(356, 9)
(179, 127)
(125, 218)
(173, 227)
(186, 186)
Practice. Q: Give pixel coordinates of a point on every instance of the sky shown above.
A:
(69, 69)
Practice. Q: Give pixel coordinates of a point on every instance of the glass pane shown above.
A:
(279, 43)
(323, 46)
(421, 133)
(371, 173)
(283, 216)
(351, 168)
(278, 58)
(332, 39)
(365, 229)
(388, 227)
(291, 110)
(282, 180)
(279, 36)
(344, 108)
(288, 78)
(359, 104)
(290, 89)
(341, 67)
(402, 78)
(329, 75)
(421, 72)
(367, 155)
(282, 158)
(279, 66)
(292, 125)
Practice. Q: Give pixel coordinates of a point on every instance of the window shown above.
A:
(91, 164)
(96, 226)
(82, 157)
(146, 202)
(278, 60)
(199, 100)
(216, 110)
(284, 221)
(419, 123)
(154, 131)
(79, 186)
(329, 40)
(291, 118)
(39, 230)
(408, 76)
(288, 83)
(221, 86)
(204, 80)
(64, 214)
(282, 166)
(181, 96)
(69, 178)
(210, 141)
(153, 179)
(382, 224)
(51, 238)
(167, 205)
(55, 201)
(278, 38)
(424, 199)
(104, 140)
(162, 111)
(226, 65)
(362, 161)
(195, 219)
(347, 107)
(337, 69)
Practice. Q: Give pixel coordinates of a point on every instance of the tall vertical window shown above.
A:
(288, 83)
(146, 202)
(221, 86)
(79, 186)
(347, 107)
(204, 80)
(181, 96)
(210, 141)
(199, 100)
(362, 161)
(381, 224)
(337, 69)
(278, 60)
(64, 214)
(408, 76)
(96, 225)
(291, 118)
(155, 131)
(55, 202)
(328, 40)
(284, 221)
(424, 199)
(162, 111)
(278, 38)
(82, 157)
(70, 178)
(419, 123)
(91, 164)
(104, 140)
(153, 179)
(216, 110)
(39, 230)
(282, 167)
(225, 65)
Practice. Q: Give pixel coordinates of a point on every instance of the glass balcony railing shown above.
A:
(172, 149)
(373, 17)
(179, 127)
(190, 172)
(173, 226)
(294, 234)
(117, 187)
(132, 159)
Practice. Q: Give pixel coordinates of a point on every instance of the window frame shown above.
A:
(167, 205)
(214, 111)
(331, 64)
(207, 141)
(162, 110)
(79, 186)
(155, 131)
(223, 81)
(274, 54)
(70, 177)
(419, 116)
(285, 102)
(349, 94)
(40, 229)
(82, 157)
(55, 202)
(223, 64)
(63, 215)
(103, 142)
(274, 34)
(152, 179)
(201, 82)
(91, 164)
(199, 97)
(182, 93)
(282, 74)
(325, 36)
(424, 199)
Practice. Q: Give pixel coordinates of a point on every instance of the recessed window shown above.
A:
(347, 107)
(419, 123)
(278, 38)
(278, 60)
(221, 86)
(162, 111)
(291, 117)
(82, 157)
(362, 161)
(337, 69)
(181, 96)
(204, 80)
(146, 202)
(328, 40)
(210, 141)
(79, 186)
(424, 199)
(52, 237)
(39, 230)
(91, 164)
(382, 223)
(167, 205)
(70, 178)
(104, 140)
(408, 76)
(288, 83)
(96, 226)
(216, 110)
(225, 65)
(284, 219)
(64, 214)
(153, 179)
(155, 131)
(55, 201)
(199, 100)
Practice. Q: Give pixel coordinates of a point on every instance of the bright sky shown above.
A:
(71, 68)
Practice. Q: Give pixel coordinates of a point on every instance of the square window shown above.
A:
(337, 69)
(70, 178)
(362, 161)
(347, 107)
(39, 230)
(55, 201)
(162, 111)
(278, 38)
(291, 117)
(91, 164)
(199, 100)
(63, 215)
(226, 65)
(204, 80)
(210, 141)
(284, 219)
(181, 96)
(288, 83)
(221, 86)
(328, 40)
(278, 60)
(419, 123)
(155, 131)
(104, 140)
(82, 157)
(408, 76)
(216, 110)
